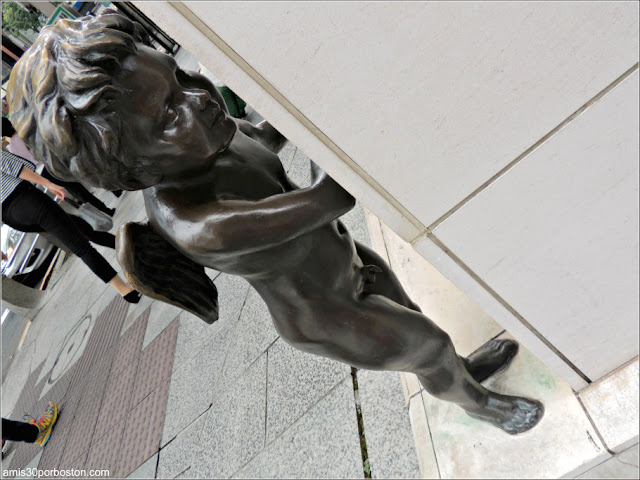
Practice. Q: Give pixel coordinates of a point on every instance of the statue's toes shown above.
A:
(527, 414)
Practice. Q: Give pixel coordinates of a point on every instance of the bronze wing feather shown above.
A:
(158, 270)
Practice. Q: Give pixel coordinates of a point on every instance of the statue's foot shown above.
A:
(491, 358)
(512, 414)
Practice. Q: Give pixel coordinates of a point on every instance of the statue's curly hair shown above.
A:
(61, 94)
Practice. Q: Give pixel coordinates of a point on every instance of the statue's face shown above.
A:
(181, 130)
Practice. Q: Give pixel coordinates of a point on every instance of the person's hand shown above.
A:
(4, 257)
(57, 190)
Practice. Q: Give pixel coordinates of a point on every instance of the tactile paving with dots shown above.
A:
(107, 328)
(83, 427)
(117, 446)
(103, 336)
(156, 362)
(58, 391)
(75, 464)
(130, 344)
(71, 387)
(143, 431)
(105, 453)
(117, 400)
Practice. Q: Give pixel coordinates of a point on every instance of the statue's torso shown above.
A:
(313, 263)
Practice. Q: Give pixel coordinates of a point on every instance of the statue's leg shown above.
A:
(492, 357)
(375, 333)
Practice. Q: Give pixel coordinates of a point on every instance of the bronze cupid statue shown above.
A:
(95, 103)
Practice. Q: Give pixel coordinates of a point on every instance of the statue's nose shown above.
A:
(201, 98)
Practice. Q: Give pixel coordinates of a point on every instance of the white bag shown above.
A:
(98, 220)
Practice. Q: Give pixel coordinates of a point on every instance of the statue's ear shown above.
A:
(156, 269)
(55, 128)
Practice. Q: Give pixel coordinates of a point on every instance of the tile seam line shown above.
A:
(275, 94)
(433, 444)
(595, 428)
(267, 445)
(544, 139)
(487, 288)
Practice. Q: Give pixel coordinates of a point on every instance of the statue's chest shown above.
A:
(249, 178)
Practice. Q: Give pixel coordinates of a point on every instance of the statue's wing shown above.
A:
(156, 269)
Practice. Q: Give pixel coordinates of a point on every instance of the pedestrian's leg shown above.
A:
(31, 210)
(105, 239)
(54, 220)
(90, 256)
(492, 357)
(80, 192)
(19, 431)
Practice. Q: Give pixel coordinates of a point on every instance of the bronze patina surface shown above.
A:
(97, 104)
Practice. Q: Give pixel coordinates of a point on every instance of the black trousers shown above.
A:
(79, 191)
(29, 210)
(19, 431)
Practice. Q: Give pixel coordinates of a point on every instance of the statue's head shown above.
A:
(88, 99)
(60, 95)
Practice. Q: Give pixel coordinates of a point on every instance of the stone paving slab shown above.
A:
(613, 403)
(178, 456)
(16, 379)
(624, 465)
(234, 429)
(387, 426)
(147, 469)
(192, 334)
(232, 294)
(422, 439)
(253, 334)
(33, 465)
(194, 382)
(295, 382)
(161, 315)
(324, 443)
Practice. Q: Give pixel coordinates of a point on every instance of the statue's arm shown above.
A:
(263, 133)
(241, 226)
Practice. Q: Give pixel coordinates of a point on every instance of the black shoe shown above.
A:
(133, 297)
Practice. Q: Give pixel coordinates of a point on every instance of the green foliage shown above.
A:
(16, 19)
